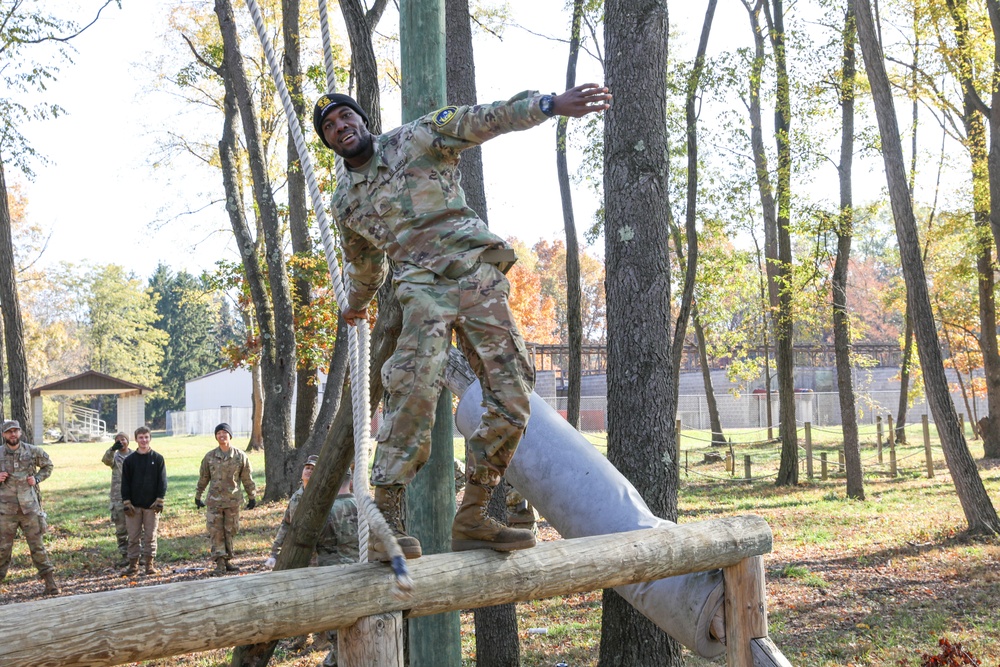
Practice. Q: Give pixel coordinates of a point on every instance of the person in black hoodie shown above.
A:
(144, 486)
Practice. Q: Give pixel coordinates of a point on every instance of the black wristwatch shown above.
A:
(546, 105)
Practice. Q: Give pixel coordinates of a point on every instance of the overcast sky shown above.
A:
(105, 200)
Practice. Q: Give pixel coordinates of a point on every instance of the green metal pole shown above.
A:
(434, 641)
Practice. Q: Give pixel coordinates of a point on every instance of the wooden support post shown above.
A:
(747, 641)
(746, 468)
(732, 460)
(372, 640)
(840, 460)
(928, 455)
(878, 436)
(823, 472)
(809, 450)
(686, 462)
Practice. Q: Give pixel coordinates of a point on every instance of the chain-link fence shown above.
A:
(750, 410)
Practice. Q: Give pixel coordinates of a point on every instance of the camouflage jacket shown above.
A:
(338, 540)
(222, 473)
(113, 459)
(286, 522)
(16, 495)
(407, 202)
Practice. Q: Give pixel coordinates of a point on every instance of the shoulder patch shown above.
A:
(442, 116)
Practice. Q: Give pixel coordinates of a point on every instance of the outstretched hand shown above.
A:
(581, 100)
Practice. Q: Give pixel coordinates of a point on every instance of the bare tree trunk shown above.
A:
(360, 26)
(13, 327)
(979, 510)
(641, 402)
(845, 232)
(714, 420)
(331, 397)
(256, 443)
(574, 297)
(690, 263)
(904, 377)
(788, 469)
(306, 389)
(778, 271)
(277, 329)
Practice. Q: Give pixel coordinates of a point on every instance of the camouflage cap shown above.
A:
(9, 424)
(311, 461)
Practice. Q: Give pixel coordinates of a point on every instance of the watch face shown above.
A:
(545, 104)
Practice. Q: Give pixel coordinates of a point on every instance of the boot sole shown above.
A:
(472, 545)
(383, 557)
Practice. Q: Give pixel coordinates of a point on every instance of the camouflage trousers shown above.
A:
(142, 526)
(32, 527)
(121, 528)
(223, 522)
(475, 307)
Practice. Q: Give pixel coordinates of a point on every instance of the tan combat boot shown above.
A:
(133, 567)
(389, 500)
(148, 567)
(220, 567)
(50, 584)
(232, 568)
(473, 529)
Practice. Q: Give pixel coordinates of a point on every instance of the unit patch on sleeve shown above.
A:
(442, 117)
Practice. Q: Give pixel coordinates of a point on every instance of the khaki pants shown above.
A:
(223, 522)
(142, 527)
(32, 527)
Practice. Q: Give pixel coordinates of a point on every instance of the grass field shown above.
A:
(871, 582)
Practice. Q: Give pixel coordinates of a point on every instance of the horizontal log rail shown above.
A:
(128, 625)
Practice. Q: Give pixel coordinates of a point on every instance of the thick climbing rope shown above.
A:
(369, 514)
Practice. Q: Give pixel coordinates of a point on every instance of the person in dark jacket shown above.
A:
(144, 486)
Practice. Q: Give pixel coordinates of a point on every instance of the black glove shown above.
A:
(115, 447)
(198, 503)
(251, 503)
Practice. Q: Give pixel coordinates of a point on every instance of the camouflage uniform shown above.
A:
(338, 540)
(407, 203)
(20, 504)
(223, 473)
(113, 459)
(337, 544)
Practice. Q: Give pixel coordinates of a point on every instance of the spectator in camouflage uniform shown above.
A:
(337, 544)
(113, 458)
(22, 468)
(223, 470)
(401, 198)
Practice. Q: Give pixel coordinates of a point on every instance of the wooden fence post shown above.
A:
(892, 449)
(928, 455)
(746, 468)
(809, 451)
(686, 463)
(878, 436)
(840, 460)
(822, 465)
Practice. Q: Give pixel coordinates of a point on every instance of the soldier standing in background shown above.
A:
(22, 468)
(401, 198)
(223, 470)
(113, 458)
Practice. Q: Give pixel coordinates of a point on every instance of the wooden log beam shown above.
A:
(187, 617)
